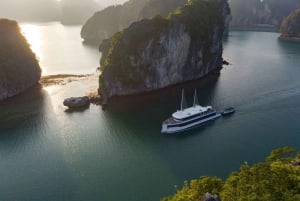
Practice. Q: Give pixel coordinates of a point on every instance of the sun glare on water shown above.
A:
(33, 36)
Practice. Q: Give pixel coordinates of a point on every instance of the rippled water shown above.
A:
(120, 154)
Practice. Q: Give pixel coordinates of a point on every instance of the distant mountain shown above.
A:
(30, 10)
(66, 11)
(19, 68)
(257, 13)
(290, 27)
(72, 14)
(107, 22)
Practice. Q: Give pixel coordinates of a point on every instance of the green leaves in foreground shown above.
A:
(276, 179)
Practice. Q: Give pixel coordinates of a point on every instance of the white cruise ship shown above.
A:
(187, 118)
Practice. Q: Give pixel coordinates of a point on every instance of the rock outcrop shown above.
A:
(290, 27)
(210, 197)
(107, 22)
(261, 14)
(19, 68)
(156, 53)
(77, 102)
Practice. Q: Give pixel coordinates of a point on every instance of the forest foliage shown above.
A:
(291, 24)
(275, 179)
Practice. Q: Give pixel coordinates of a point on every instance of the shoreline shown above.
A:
(254, 28)
(62, 79)
(65, 79)
(136, 98)
(290, 39)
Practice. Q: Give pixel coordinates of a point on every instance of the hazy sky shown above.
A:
(109, 2)
(46, 9)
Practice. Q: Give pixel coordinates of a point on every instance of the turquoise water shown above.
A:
(120, 154)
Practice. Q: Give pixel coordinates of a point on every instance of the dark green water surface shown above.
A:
(47, 154)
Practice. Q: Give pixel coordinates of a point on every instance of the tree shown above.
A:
(278, 178)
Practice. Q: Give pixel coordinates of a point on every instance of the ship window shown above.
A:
(190, 121)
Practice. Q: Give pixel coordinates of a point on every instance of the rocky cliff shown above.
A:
(290, 27)
(257, 13)
(19, 68)
(105, 23)
(156, 53)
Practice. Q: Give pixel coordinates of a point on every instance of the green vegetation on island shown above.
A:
(290, 27)
(187, 43)
(198, 16)
(19, 68)
(107, 22)
(278, 178)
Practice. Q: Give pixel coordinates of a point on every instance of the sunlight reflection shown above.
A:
(51, 89)
(33, 36)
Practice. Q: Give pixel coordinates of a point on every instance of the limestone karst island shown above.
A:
(19, 67)
(171, 100)
(159, 52)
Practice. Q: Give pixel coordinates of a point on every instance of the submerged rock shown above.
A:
(19, 68)
(156, 53)
(77, 102)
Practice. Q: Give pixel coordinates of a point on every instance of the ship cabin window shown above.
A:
(184, 123)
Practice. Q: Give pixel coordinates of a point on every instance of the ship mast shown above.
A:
(196, 102)
(183, 101)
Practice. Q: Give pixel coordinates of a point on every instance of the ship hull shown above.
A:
(171, 128)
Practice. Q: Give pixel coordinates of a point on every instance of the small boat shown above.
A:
(190, 117)
(228, 110)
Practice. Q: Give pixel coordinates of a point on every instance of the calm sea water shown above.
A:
(119, 154)
(60, 49)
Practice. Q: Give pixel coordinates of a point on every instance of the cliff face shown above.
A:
(156, 53)
(19, 68)
(258, 13)
(107, 22)
(290, 27)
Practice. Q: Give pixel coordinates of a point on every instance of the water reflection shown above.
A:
(79, 109)
(133, 114)
(135, 123)
(167, 95)
(288, 48)
(32, 161)
(60, 49)
(21, 109)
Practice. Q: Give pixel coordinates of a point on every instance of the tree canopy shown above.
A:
(290, 26)
(278, 178)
